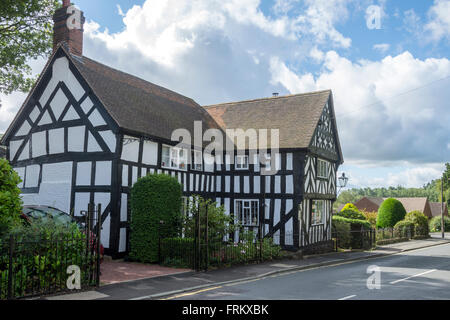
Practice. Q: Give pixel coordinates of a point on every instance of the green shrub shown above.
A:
(341, 229)
(404, 229)
(355, 223)
(10, 202)
(178, 252)
(420, 222)
(371, 216)
(351, 214)
(350, 206)
(435, 224)
(390, 212)
(155, 203)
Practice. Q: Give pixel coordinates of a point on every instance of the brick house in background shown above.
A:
(436, 209)
(410, 204)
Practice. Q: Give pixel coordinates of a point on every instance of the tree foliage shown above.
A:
(25, 33)
(10, 202)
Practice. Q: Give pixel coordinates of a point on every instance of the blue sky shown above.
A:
(389, 84)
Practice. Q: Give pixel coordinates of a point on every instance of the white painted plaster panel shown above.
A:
(124, 175)
(277, 211)
(124, 208)
(227, 183)
(130, 149)
(39, 144)
(289, 204)
(185, 182)
(34, 113)
(109, 138)
(256, 184)
(191, 182)
(96, 118)
(75, 87)
(57, 172)
(150, 153)
(104, 199)
(21, 173)
(276, 237)
(93, 144)
(202, 186)
(144, 173)
(197, 182)
(25, 154)
(103, 173)
(46, 119)
(81, 202)
(106, 230)
(123, 240)
(267, 184)
(290, 184)
(218, 163)
(278, 161)
(58, 104)
(267, 209)
(289, 161)
(56, 141)
(134, 175)
(218, 183)
(246, 184)
(227, 162)
(87, 105)
(71, 114)
(226, 204)
(289, 233)
(24, 129)
(13, 147)
(277, 184)
(237, 185)
(208, 162)
(84, 171)
(256, 164)
(76, 139)
(55, 194)
(32, 176)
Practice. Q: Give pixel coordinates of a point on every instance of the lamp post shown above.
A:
(342, 180)
(442, 208)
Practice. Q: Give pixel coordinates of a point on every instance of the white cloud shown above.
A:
(120, 11)
(379, 116)
(439, 20)
(382, 47)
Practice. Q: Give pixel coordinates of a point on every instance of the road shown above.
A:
(419, 274)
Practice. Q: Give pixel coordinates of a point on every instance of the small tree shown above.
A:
(10, 202)
(155, 212)
(420, 222)
(219, 223)
(390, 212)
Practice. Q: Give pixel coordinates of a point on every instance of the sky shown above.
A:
(386, 62)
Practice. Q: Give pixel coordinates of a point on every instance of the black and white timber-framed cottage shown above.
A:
(87, 132)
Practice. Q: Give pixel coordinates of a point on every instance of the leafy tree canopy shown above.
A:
(25, 33)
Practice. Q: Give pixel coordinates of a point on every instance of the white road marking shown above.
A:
(416, 275)
(347, 297)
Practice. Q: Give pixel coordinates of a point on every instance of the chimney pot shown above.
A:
(275, 94)
(66, 3)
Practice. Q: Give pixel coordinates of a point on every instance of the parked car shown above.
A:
(31, 213)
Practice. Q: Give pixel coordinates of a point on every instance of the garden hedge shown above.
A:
(420, 222)
(10, 201)
(154, 199)
(351, 214)
(435, 224)
(390, 212)
(404, 229)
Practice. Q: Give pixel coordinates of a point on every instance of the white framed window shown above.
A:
(242, 162)
(173, 158)
(317, 211)
(197, 160)
(322, 168)
(247, 212)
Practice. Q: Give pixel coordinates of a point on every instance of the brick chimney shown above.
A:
(68, 28)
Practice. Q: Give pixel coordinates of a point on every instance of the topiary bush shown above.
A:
(350, 206)
(404, 229)
(10, 202)
(154, 199)
(435, 224)
(390, 212)
(420, 222)
(351, 214)
(371, 216)
(341, 228)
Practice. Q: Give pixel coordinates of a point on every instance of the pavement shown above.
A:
(183, 284)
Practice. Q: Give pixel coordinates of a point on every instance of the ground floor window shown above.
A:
(173, 158)
(247, 212)
(317, 211)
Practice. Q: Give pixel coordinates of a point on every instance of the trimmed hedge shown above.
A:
(390, 212)
(420, 222)
(342, 228)
(435, 224)
(354, 222)
(404, 229)
(10, 201)
(351, 214)
(153, 199)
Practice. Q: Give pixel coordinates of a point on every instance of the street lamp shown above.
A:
(342, 180)
(442, 208)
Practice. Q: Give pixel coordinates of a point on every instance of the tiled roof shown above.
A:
(436, 209)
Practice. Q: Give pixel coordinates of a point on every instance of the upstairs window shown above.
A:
(241, 162)
(173, 158)
(197, 160)
(247, 212)
(322, 168)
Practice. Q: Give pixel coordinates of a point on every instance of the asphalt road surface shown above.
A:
(422, 274)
